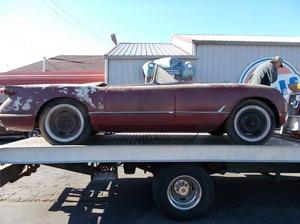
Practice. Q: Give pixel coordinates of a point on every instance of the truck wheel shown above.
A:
(64, 122)
(252, 122)
(183, 192)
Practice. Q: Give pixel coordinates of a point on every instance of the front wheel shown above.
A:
(252, 122)
(64, 122)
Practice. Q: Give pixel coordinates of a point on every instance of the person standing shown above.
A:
(266, 73)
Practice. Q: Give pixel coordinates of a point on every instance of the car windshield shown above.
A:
(163, 77)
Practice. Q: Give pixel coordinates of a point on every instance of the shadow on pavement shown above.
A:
(251, 199)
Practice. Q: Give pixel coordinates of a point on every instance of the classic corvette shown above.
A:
(68, 114)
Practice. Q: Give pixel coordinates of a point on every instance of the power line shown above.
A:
(78, 21)
(73, 20)
(57, 13)
(16, 41)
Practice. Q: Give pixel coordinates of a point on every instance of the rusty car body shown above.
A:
(47, 77)
(68, 114)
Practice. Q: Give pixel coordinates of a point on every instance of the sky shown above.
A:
(32, 29)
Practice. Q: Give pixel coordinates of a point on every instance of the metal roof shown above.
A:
(146, 50)
(199, 38)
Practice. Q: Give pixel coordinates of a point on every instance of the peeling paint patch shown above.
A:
(44, 86)
(83, 95)
(26, 105)
(64, 90)
(93, 90)
(16, 105)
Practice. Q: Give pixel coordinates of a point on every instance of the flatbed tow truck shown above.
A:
(181, 164)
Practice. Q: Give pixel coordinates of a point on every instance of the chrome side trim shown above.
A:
(201, 112)
(133, 112)
(221, 109)
(159, 112)
(16, 115)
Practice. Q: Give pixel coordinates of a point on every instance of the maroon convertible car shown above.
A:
(68, 114)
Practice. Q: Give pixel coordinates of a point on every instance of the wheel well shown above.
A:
(270, 104)
(37, 117)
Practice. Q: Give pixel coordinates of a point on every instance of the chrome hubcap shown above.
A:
(184, 192)
(64, 122)
(182, 188)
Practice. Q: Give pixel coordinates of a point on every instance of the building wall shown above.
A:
(128, 71)
(125, 71)
(225, 63)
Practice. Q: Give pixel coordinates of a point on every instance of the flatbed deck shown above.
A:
(143, 148)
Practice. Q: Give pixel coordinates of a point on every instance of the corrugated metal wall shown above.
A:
(125, 71)
(225, 63)
(128, 71)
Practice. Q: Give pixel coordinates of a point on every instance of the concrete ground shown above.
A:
(57, 196)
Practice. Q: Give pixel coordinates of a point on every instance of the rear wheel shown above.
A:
(183, 192)
(251, 122)
(65, 121)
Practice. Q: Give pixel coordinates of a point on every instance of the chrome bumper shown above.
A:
(292, 123)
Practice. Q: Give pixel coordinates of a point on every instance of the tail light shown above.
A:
(7, 91)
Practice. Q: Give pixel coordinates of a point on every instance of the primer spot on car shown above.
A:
(82, 94)
(26, 105)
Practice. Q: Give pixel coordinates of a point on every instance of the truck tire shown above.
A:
(252, 122)
(183, 192)
(64, 121)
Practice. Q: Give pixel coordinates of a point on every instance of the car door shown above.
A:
(140, 105)
(200, 106)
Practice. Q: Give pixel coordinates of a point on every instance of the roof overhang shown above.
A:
(149, 57)
(248, 43)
